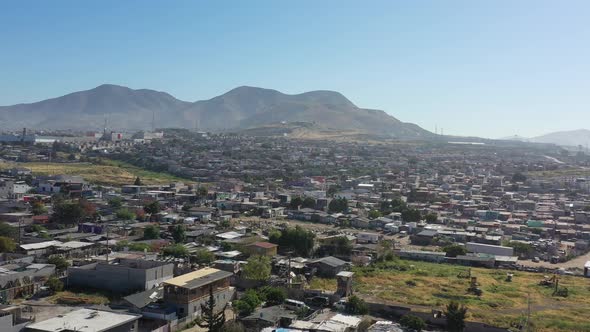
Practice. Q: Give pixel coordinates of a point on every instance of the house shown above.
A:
(18, 280)
(328, 266)
(88, 320)
(261, 249)
(201, 213)
(188, 292)
(274, 316)
(368, 238)
(424, 238)
(13, 189)
(11, 319)
(39, 249)
(121, 275)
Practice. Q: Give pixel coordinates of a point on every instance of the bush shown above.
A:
(54, 284)
(413, 322)
(59, 262)
(274, 296)
(356, 306)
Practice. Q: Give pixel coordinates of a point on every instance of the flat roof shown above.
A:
(198, 278)
(84, 320)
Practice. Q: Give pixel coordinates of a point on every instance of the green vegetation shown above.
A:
(413, 322)
(356, 306)
(54, 284)
(125, 214)
(247, 303)
(455, 315)
(175, 250)
(7, 244)
(297, 239)
(338, 205)
(437, 284)
(179, 234)
(102, 171)
(204, 256)
(257, 268)
(151, 232)
(59, 262)
(454, 250)
(211, 320)
(6, 230)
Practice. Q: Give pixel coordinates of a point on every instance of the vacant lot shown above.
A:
(427, 285)
(106, 172)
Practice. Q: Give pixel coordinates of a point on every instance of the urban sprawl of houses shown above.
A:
(258, 219)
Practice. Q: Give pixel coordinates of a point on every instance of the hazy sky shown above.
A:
(485, 68)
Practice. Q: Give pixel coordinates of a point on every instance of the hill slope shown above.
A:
(566, 138)
(241, 108)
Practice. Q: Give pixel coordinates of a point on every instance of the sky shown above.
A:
(481, 68)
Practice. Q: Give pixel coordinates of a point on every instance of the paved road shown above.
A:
(577, 262)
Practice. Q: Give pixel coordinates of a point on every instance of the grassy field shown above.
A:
(566, 172)
(423, 286)
(107, 172)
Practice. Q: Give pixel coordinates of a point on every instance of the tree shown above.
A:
(295, 203)
(247, 303)
(210, 319)
(38, 208)
(152, 208)
(297, 239)
(7, 244)
(395, 205)
(59, 262)
(374, 214)
(68, 212)
(274, 295)
(179, 234)
(308, 202)
(258, 268)
(54, 284)
(115, 202)
(125, 214)
(454, 250)
(138, 182)
(204, 256)
(274, 236)
(175, 250)
(455, 317)
(338, 205)
(342, 246)
(139, 247)
(202, 191)
(6, 230)
(411, 215)
(521, 249)
(413, 322)
(151, 232)
(518, 177)
(431, 218)
(356, 306)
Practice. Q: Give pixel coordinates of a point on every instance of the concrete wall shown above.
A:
(6, 325)
(119, 278)
(192, 310)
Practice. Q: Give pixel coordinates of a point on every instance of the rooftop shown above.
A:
(198, 278)
(84, 320)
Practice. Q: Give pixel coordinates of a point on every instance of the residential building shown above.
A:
(88, 320)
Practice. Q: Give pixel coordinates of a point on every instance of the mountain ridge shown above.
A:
(239, 108)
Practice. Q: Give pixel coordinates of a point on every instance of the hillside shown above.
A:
(241, 108)
(565, 138)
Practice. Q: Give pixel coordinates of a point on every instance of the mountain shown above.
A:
(565, 138)
(241, 108)
(249, 107)
(121, 106)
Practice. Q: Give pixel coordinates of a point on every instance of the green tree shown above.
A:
(6, 230)
(308, 202)
(210, 319)
(295, 203)
(413, 322)
(274, 295)
(151, 232)
(456, 315)
(395, 205)
(274, 236)
(202, 191)
(59, 262)
(374, 214)
(454, 250)
(342, 246)
(521, 249)
(152, 208)
(338, 205)
(411, 215)
(356, 306)
(139, 247)
(125, 214)
(115, 202)
(247, 303)
(431, 218)
(38, 208)
(257, 268)
(204, 256)
(54, 284)
(297, 239)
(68, 212)
(179, 234)
(138, 182)
(7, 244)
(175, 250)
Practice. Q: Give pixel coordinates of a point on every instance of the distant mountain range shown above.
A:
(564, 138)
(241, 108)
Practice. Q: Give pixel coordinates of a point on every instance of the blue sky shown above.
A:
(485, 68)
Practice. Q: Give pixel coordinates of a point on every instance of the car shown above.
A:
(536, 260)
